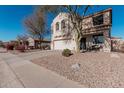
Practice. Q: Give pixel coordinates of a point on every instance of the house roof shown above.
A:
(60, 14)
(42, 40)
(98, 13)
(13, 41)
(115, 37)
(90, 15)
(35, 39)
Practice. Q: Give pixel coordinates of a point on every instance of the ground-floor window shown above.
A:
(98, 39)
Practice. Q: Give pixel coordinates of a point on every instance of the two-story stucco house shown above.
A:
(96, 30)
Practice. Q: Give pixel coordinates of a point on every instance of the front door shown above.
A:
(83, 44)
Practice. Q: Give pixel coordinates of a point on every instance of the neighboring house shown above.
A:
(35, 43)
(117, 44)
(96, 30)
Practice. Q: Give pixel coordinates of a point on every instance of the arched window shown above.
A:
(63, 25)
(57, 26)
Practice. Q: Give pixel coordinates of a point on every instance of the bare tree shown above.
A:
(22, 38)
(36, 25)
(76, 15)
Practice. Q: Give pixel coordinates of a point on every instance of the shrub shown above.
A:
(10, 46)
(66, 52)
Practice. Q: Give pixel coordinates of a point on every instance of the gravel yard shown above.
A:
(96, 69)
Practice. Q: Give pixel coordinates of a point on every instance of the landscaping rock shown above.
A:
(75, 67)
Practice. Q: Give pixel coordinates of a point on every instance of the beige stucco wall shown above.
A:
(88, 22)
(59, 41)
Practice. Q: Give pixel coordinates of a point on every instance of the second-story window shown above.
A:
(57, 26)
(98, 20)
(63, 25)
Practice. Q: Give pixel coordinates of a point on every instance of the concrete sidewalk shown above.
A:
(7, 77)
(30, 75)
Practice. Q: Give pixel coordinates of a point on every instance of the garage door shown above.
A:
(60, 45)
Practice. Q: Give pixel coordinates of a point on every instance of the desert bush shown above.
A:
(66, 52)
(10, 46)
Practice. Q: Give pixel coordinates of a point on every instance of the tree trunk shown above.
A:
(77, 45)
(40, 45)
(40, 42)
(77, 41)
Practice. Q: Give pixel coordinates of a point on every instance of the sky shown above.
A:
(12, 20)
